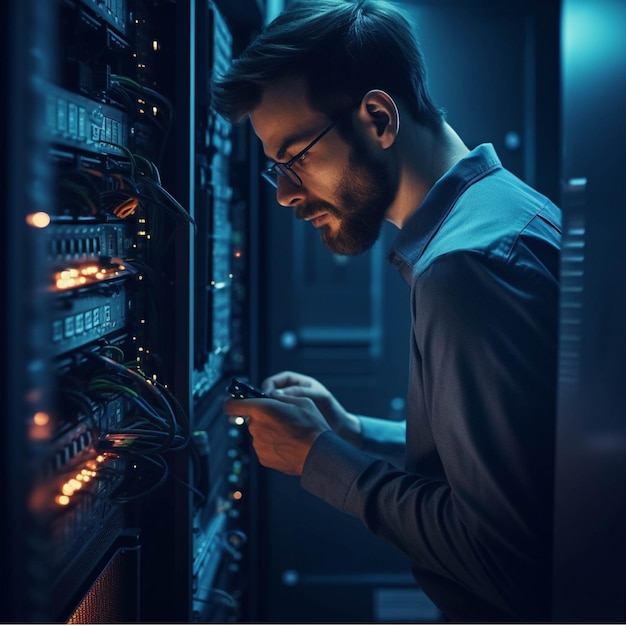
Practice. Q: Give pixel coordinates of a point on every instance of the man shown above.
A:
(336, 92)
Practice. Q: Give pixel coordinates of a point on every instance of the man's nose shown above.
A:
(287, 194)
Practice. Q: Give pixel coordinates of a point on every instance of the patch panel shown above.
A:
(78, 320)
(70, 448)
(74, 121)
(79, 241)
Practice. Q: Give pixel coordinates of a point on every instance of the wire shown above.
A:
(113, 348)
(220, 597)
(106, 192)
(132, 85)
(170, 422)
(170, 201)
(120, 82)
(152, 167)
(160, 462)
(192, 489)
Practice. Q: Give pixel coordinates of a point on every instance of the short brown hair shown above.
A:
(343, 48)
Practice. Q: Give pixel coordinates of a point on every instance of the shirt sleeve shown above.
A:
(485, 335)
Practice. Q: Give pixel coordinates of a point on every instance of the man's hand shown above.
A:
(287, 383)
(283, 430)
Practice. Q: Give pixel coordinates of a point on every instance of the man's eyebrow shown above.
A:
(300, 137)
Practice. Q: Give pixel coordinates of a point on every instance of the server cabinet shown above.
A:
(590, 508)
(127, 214)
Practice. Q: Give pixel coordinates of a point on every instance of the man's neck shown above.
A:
(425, 156)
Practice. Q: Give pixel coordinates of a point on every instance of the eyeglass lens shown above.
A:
(279, 169)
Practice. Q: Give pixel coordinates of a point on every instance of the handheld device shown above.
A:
(239, 388)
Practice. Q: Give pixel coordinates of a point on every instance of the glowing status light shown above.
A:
(39, 220)
(238, 254)
(237, 495)
(84, 476)
(155, 111)
(41, 419)
(40, 426)
(155, 45)
(75, 277)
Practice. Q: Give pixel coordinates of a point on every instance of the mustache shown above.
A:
(304, 211)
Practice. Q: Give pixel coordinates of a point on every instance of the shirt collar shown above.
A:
(432, 212)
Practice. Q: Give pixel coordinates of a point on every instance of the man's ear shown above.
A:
(379, 113)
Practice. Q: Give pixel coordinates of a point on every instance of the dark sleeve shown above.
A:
(485, 332)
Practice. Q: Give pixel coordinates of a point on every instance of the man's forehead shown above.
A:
(286, 98)
(283, 110)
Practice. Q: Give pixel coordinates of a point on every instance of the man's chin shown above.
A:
(342, 245)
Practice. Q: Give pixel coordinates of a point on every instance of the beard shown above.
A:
(366, 191)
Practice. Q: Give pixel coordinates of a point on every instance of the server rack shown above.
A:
(127, 222)
(589, 543)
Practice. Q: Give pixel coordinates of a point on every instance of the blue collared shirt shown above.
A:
(471, 505)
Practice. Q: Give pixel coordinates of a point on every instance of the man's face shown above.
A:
(361, 200)
(346, 186)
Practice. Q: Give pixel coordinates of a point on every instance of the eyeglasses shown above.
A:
(277, 169)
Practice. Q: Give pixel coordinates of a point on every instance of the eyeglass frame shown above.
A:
(285, 170)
